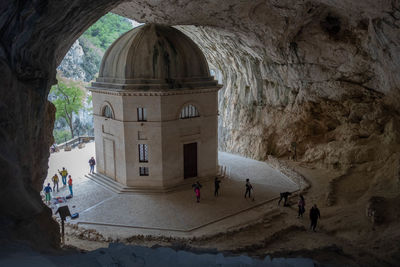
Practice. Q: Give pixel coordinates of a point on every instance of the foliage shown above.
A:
(60, 136)
(98, 38)
(89, 103)
(68, 98)
(94, 42)
(106, 30)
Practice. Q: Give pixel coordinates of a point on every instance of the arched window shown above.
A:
(189, 111)
(107, 112)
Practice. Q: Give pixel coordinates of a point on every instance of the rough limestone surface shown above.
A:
(71, 64)
(35, 36)
(322, 73)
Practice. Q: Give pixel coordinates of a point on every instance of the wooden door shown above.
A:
(190, 160)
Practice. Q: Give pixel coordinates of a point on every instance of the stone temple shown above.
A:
(155, 110)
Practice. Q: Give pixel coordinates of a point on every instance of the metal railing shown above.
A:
(75, 141)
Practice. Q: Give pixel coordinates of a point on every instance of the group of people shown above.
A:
(314, 211)
(64, 174)
(197, 186)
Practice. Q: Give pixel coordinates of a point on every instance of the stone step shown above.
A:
(105, 182)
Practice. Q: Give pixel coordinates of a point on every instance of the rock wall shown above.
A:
(323, 74)
(71, 65)
(325, 89)
(35, 36)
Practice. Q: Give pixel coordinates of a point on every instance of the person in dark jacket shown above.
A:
(249, 187)
(284, 196)
(314, 216)
(216, 184)
(92, 163)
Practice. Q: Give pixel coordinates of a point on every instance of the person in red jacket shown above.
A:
(70, 184)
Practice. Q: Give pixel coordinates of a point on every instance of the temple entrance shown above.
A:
(190, 160)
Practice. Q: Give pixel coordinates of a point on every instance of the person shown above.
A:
(284, 196)
(92, 162)
(301, 205)
(216, 184)
(47, 190)
(63, 174)
(197, 187)
(70, 184)
(55, 182)
(314, 216)
(249, 187)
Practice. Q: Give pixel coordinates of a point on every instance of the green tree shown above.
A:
(68, 101)
(61, 136)
(106, 30)
(98, 38)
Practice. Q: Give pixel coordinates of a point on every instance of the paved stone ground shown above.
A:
(175, 211)
(260, 173)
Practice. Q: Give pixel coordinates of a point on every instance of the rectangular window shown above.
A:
(143, 153)
(189, 111)
(141, 113)
(144, 171)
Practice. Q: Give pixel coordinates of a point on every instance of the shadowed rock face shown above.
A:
(34, 38)
(322, 73)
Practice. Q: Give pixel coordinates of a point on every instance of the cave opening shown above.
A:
(100, 201)
(335, 93)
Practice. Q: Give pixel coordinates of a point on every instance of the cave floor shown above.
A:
(176, 213)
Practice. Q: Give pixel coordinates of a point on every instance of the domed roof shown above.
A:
(153, 56)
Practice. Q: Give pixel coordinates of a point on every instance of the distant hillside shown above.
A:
(83, 60)
(106, 30)
(82, 63)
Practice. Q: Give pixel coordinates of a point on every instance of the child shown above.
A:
(197, 187)
(47, 191)
(216, 185)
